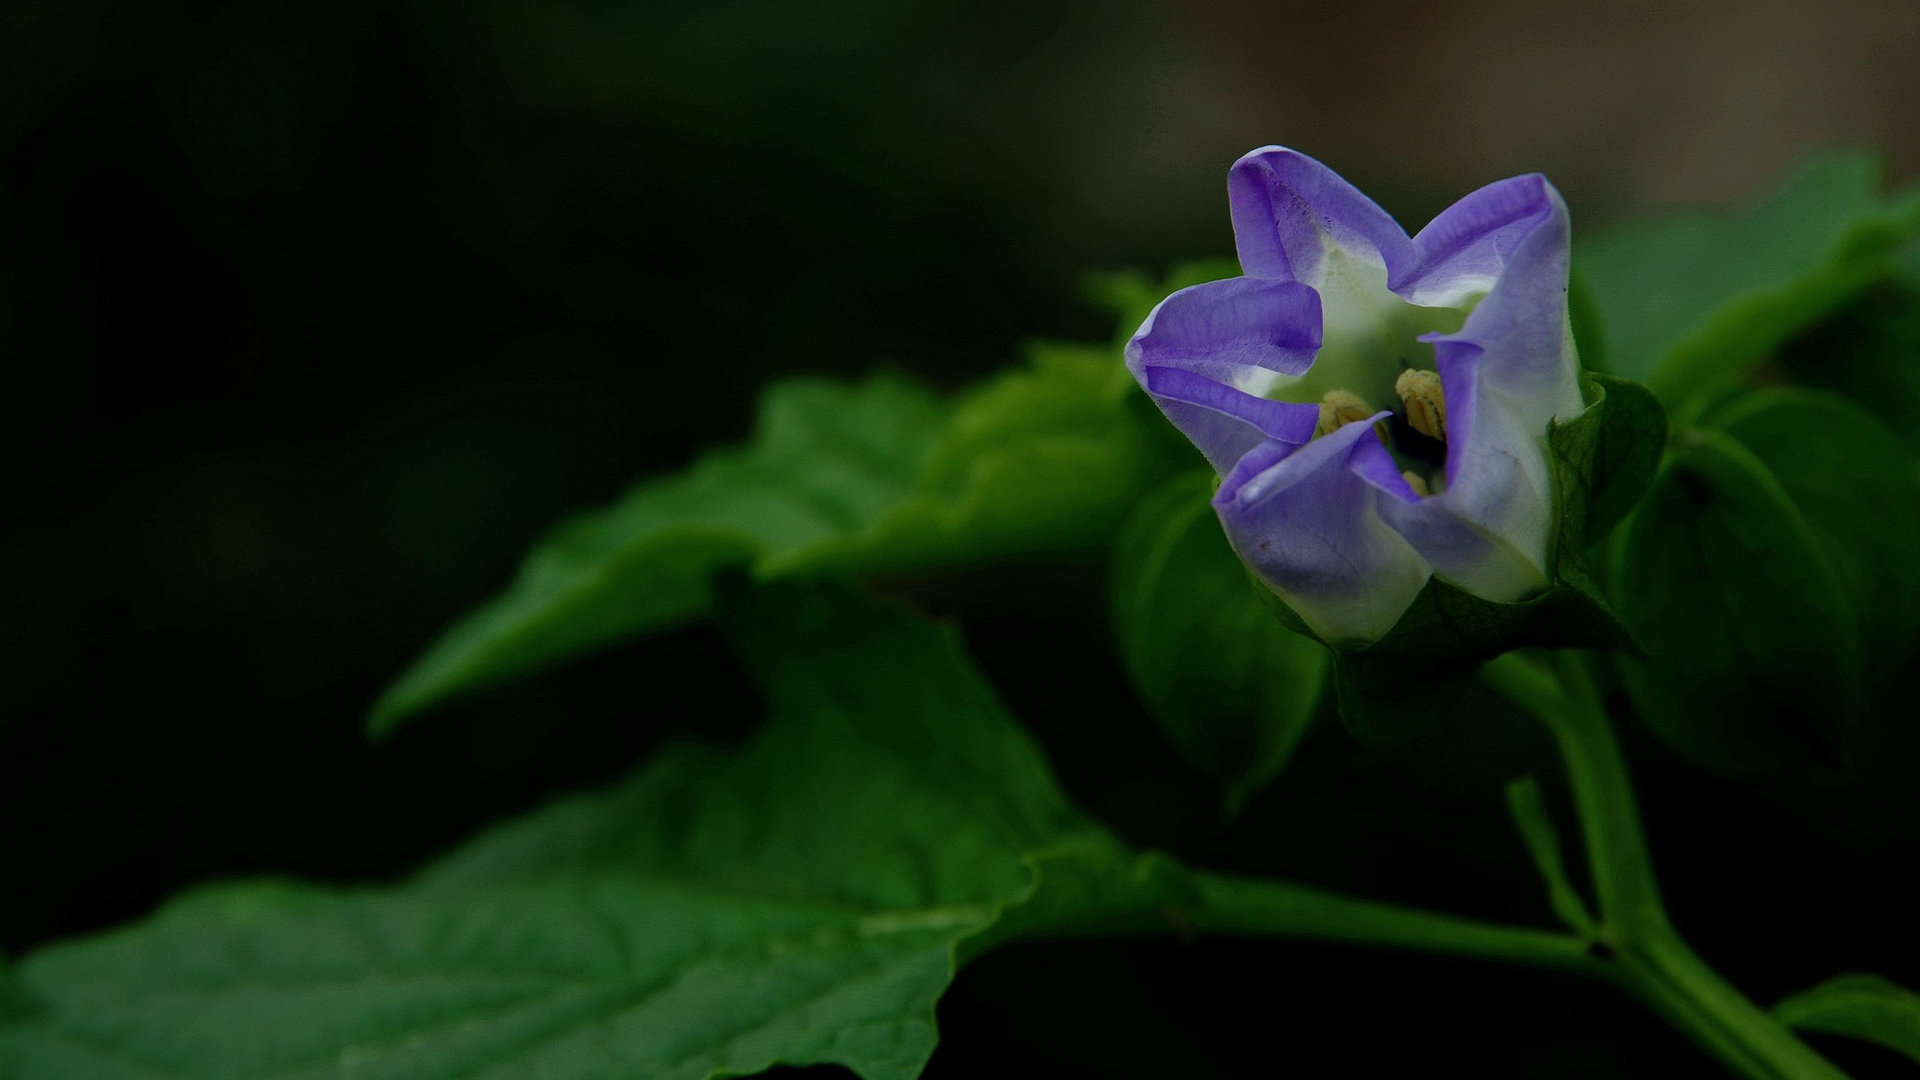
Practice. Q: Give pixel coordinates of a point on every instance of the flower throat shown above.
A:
(1416, 434)
(1370, 354)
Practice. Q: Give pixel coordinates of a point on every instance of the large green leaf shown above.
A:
(1230, 685)
(1752, 642)
(798, 901)
(1862, 1007)
(1853, 480)
(872, 478)
(1689, 304)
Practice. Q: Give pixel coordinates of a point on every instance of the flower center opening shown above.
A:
(1371, 357)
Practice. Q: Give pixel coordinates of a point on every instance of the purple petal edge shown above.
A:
(1468, 247)
(1200, 346)
(1284, 201)
(1312, 530)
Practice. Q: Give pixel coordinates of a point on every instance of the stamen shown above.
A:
(1338, 408)
(1426, 403)
(1417, 482)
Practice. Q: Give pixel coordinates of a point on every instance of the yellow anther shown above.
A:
(1426, 403)
(1338, 408)
(1417, 482)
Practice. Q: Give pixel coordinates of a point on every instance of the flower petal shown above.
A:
(1465, 250)
(1489, 531)
(1226, 330)
(1521, 330)
(1208, 353)
(1506, 374)
(1226, 424)
(1307, 520)
(1288, 208)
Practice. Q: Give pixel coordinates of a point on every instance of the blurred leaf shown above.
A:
(798, 901)
(1232, 687)
(1862, 1007)
(1753, 650)
(1584, 316)
(878, 478)
(14, 1003)
(1132, 295)
(257, 112)
(1688, 305)
(1870, 352)
(1855, 484)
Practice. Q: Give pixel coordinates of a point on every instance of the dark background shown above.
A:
(314, 316)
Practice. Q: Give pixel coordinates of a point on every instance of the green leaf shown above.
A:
(1042, 461)
(1859, 1006)
(1232, 687)
(798, 901)
(878, 478)
(1854, 482)
(1870, 352)
(827, 461)
(1690, 304)
(1752, 646)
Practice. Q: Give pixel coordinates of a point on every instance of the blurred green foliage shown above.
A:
(1690, 304)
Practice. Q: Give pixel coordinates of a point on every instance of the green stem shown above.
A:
(1603, 799)
(1158, 895)
(1667, 976)
(1264, 907)
(1650, 959)
(1634, 946)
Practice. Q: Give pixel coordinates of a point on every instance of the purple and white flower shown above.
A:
(1376, 405)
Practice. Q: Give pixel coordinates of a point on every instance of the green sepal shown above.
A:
(1421, 673)
(1624, 454)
